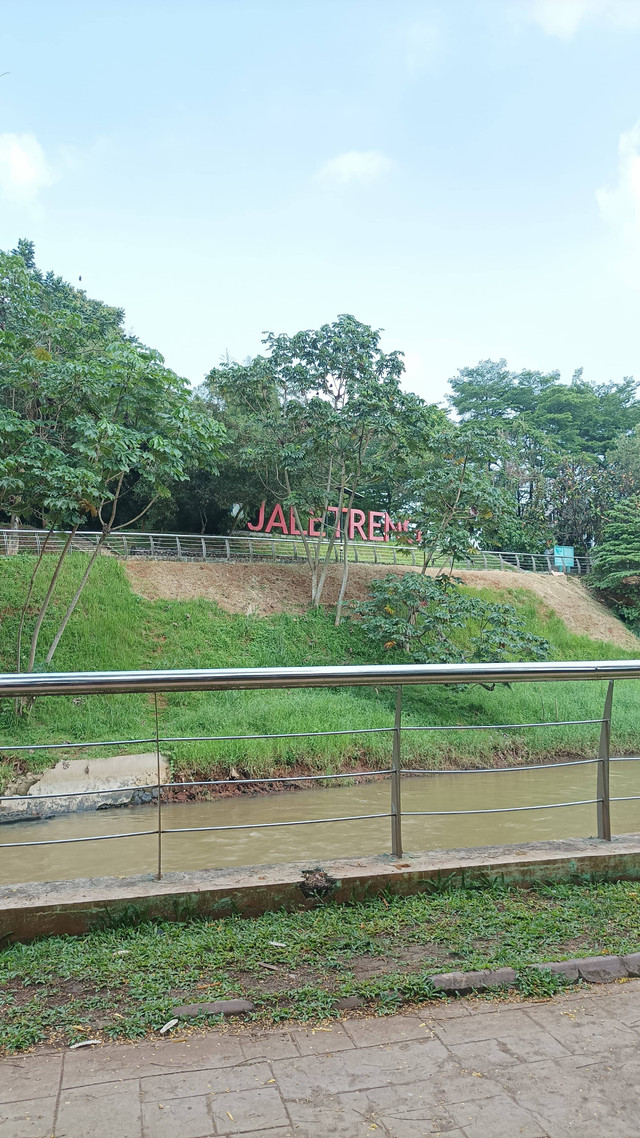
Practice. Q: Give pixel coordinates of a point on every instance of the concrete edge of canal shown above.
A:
(33, 910)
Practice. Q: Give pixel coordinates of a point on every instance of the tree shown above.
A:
(453, 494)
(431, 620)
(556, 444)
(313, 417)
(616, 568)
(580, 417)
(489, 391)
(89, 419)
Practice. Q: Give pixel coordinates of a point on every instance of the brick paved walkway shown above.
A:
(470, 1069)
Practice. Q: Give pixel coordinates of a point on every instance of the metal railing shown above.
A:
(251, 679)
(262, 547)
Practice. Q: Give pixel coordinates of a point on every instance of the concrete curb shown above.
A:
(55, 908)
(591, 969)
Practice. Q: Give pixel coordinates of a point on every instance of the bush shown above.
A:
(431, 620)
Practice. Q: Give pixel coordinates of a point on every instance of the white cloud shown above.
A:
(620, 206)
(562, 18)
(356, 166)
(24, 169)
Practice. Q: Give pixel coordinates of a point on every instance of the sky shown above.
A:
(464, 174)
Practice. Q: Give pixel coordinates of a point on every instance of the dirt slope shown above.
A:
(262, 589)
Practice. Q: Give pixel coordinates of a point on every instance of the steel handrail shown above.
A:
(251, 679)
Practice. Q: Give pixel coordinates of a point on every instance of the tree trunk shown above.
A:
(76, 597)
(45, 604)
(345, 578)
(28, 598)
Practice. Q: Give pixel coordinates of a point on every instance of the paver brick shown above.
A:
(238, 1112)
(30, 1118)
(321, 1040)
(268, 1045)
(278, 1132)
(498, 1117)
(183, 1084)
(131, 1061)
(113, 1106)
(581, 1095)
(387, 1029)
(29, 1077)
(582, 1030)
(356, 1070)
(509, 1020)
(177, 1118)
(525, 1045)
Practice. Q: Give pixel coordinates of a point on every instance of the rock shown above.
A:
(348, 1003)
(568, 968)
(632, 963)
(601, 969)
(23, 784)
(214, 1008)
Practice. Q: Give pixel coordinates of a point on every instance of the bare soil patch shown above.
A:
(265, 589)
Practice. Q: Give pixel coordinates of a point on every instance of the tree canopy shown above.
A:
(94, 428)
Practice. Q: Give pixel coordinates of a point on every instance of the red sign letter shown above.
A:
(276, 519)
(376, 518)
(356, 524)
(260, 520)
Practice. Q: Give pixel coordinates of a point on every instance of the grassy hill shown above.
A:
(115, 628)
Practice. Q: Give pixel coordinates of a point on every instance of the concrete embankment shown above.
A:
(81, 784)
(75, 907)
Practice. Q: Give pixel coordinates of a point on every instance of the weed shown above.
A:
(537, 983)
(123, 980)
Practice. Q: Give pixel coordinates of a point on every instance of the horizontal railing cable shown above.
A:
(498, 770)
(87, 838)
(497, 809)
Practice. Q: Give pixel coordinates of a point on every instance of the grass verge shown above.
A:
(122, 983)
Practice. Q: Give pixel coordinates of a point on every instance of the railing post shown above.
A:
(602, 793)
(396, 800)
(159, 780)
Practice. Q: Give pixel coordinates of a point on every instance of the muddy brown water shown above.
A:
(256, 845)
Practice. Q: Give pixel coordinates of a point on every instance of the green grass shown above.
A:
(123, 982)
(113, 628)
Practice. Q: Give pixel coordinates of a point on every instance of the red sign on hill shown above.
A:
(374, 525)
